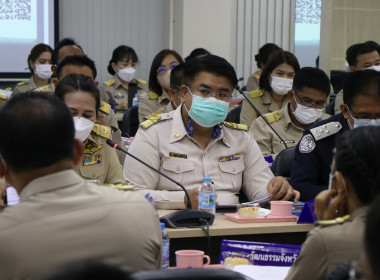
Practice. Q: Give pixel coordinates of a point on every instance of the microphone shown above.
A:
(261, 115)
(181, 218)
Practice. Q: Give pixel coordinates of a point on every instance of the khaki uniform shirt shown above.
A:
(338, 102)
(151, 102)
(263, 102)
(168, 108)
(268, 141)
(113, 91)
(328, 245)
(61, 220)
(253, 81)
(99, 161)
(232, 159)
(30, 85)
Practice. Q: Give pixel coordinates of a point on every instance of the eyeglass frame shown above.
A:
(355, 115)
(213, 93)
(163, 69)
(313, 105)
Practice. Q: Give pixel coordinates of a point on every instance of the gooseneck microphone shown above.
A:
(261, 115)
(182, 218)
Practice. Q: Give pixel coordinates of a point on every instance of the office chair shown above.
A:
(282, 164)
(130, 122)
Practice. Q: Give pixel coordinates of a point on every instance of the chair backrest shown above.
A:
(189, 274)
(130, 122)
(282, 164)
(330, 108)
(234, 115)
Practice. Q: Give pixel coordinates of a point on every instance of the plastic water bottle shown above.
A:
(206, 196)
(135, 100)
(165, 247)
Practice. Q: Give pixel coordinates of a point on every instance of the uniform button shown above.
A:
(178, 168)
(327, 132)
(320, 131)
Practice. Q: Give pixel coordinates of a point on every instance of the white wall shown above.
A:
(208, 24)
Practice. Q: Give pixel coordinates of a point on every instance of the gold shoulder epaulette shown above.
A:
(141, 81)
(22, 83)
(110, 82)
(257, 75)
(339, 220)
(273, 117)
(102, 130)
(153, 95)
(105, 107)
(120, 187)
(151, 120)
(3, 96)
(236, 125)
(47, 88)
(256, 93)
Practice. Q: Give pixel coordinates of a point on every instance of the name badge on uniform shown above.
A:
(177, 155)
(91, 160)
(229, 158)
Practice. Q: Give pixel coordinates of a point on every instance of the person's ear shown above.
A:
(183, 91)
(31, 64)
(55, 82)
(78, 150)
(2, 168)
(352, 68)
(344, 109)
(54, 69)
(96, 83)
(341, 185)
(290, 95)
(114, 67)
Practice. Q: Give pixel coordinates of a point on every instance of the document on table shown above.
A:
(257, 272)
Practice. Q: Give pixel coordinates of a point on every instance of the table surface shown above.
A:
(222, 227)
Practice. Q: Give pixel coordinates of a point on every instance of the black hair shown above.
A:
(122, 53)
(176, 77)
(196, 53)
(90, 270)
(153, 82)
(363, 82)
(357, 158)
(37, 131)
(79, 60)
(372, 238)
(78, 82)
(276, 59)
(264, 53)
(312, 78)
(36, 51)
(59, 45)
(211, 64)
(355, 50)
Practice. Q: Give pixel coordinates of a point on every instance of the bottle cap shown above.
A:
(137, 94)
(207, 179)
(162, 225)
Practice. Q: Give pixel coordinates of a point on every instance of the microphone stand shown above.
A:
(261, 115)
(181, 218)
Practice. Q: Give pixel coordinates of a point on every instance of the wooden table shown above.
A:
(195, 238)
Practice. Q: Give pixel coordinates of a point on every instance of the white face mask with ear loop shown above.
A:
(83, 128)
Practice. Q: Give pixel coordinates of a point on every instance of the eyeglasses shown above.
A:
(310, 103)
(162, 69)
(205, 92)
(364, 116)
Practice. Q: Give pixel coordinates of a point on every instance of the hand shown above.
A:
(193, 194)
(330, 204)
(102, 119)
(280, 189)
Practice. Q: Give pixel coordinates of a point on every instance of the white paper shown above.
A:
(257, 272)
(12, 196)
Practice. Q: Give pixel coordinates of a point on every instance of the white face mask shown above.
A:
(281, 86)
(374, 67)
(127, 74)
(164, 79)
(83, 128)
(306, 115)
(43, 71)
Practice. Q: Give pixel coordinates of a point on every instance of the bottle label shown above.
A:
(206, 201)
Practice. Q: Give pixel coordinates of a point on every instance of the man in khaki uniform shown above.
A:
(192, 142)
(61, 219)
(113, 91)
(307, 100)
(360, 56)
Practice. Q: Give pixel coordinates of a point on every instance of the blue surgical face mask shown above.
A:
(207, 112)
(364, 122)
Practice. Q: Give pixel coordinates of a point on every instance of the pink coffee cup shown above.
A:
(281, 208)
(191, 258)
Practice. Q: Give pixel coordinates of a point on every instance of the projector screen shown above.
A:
(24, 24)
